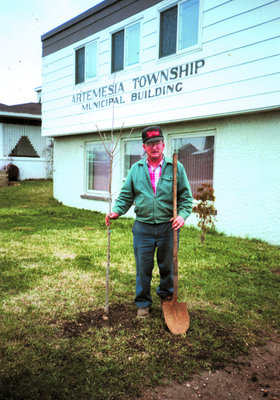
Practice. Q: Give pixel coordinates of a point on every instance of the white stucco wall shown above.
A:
(246, 173)
(29, 168)
(247, 176)
(68, 171)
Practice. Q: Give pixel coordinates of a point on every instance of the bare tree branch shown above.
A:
(104, 142)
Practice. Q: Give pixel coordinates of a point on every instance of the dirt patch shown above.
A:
(120, 315)
(251, 377)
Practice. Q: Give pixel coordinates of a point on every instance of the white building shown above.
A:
(206, 71)
(21, 142)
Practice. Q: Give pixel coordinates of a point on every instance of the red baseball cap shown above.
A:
(152, 134)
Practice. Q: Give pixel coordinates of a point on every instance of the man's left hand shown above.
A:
(178, 222)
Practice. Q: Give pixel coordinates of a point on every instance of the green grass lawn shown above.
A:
(53, 272)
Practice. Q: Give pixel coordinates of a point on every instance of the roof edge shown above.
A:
(19, 115)
(84, 15)
(92, 21)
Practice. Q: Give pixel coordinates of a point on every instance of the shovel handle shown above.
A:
(175, 233)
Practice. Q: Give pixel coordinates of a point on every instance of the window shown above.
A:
(197, 156)
(80, 65)
(179, 27)
(126, 47)
(23, 148)
(117, 51)
(86, 63)
(133, 151)
(23, 140)
(98, 166)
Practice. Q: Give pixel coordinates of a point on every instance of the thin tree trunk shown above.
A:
(109, 239)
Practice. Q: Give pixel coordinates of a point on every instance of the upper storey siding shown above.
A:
(233, 68)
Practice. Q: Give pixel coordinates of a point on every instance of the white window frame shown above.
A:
(189, 49)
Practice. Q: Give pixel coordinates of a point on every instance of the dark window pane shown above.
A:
(168, 32)
(117, 51)
(197, 156)
(99, 171)
(98, 164)
(80, 65)
(133, 151)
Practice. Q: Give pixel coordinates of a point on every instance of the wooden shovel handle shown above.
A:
(175, 233)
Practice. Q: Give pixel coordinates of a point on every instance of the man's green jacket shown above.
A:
(154, 208)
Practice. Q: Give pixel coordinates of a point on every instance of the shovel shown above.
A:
(175, 314)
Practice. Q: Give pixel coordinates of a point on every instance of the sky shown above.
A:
(22, 23)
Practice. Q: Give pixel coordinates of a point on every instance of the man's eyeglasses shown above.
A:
(152, 144)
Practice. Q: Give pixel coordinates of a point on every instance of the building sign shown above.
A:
(152, 85)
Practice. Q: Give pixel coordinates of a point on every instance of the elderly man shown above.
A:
(149, 185)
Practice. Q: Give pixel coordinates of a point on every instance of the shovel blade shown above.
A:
(176, 317)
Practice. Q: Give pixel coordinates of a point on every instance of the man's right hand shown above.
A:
(108, 217)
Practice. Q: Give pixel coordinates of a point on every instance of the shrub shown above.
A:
(13, 172)
(205, 210)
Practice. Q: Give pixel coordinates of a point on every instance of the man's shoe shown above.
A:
(143, 312)
(166, 299)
